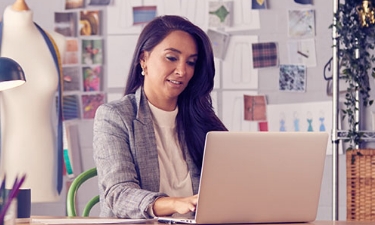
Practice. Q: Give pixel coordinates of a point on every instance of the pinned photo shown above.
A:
(92, 51)
(72, 77)
(90, 22)
(74, 4)
(66, 23)
(90, 104)
(143, 14)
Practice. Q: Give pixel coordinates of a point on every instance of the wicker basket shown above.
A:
(360, 173)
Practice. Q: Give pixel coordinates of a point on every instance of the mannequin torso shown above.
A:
(28, 113)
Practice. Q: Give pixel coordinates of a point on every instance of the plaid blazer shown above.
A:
(126, 158)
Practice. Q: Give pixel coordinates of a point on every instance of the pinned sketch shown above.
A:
(302, 52)
(301, 117)
(301, 23)
(292, 78)
(259, 4)
(196, 12)
(219, 41)
(238, 69)
(220, 14)
(255, 107)
(264, 55)
(233, 109)
(244, 18)
(308, 121)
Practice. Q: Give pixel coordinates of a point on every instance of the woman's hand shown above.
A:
(168, 205)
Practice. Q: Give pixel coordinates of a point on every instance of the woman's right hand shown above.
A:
(166, 206)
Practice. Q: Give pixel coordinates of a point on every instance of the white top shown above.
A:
(175, 180)
(28, 112)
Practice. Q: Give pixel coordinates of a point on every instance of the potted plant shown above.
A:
(355, 29)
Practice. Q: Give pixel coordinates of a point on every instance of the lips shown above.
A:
(175, 82)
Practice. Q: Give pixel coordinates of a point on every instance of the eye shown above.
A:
(191, 63)
(171, 58)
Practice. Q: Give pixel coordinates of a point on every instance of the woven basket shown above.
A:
(360, 193)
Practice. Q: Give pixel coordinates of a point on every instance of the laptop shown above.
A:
(259, 177)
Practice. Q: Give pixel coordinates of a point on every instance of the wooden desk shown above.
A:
(154, 223)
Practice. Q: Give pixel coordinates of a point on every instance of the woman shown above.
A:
(148, 146)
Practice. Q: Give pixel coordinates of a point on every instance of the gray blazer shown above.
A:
(126, 158)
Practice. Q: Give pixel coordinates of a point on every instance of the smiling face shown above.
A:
(168, 68)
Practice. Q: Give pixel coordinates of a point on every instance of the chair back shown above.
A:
(72, 192)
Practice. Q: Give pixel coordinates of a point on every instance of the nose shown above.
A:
(181, 69)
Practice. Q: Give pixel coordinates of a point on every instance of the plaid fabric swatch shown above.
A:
(264, 54)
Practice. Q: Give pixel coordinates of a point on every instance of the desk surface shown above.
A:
(154, 222)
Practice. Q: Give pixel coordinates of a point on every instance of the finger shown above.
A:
(195, 199)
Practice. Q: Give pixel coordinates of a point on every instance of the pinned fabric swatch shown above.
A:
(264, 54)
(255, 108)
(304, 2)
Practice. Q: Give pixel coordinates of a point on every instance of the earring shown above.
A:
(143, 73)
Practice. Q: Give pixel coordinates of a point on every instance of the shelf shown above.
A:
(367, 135)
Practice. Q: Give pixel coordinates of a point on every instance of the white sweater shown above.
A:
(175, 178)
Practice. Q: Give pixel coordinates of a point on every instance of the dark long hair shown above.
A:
(195, 112)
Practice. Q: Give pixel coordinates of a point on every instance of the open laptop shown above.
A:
(259, 177)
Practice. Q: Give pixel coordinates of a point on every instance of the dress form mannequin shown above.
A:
(28, 112)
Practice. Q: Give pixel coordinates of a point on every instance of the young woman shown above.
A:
(148, 146)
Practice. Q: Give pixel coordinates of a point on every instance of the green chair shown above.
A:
(72, 192)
